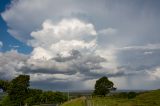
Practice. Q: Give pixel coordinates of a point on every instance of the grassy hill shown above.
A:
(76, 102)
(150, 98)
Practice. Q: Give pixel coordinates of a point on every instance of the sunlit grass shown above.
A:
(151, 98)
(75, 102)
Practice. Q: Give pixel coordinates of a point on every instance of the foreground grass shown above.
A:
(151, 98)
(75, 102)
(109, 102)
(44, 105)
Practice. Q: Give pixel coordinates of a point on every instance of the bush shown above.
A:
(30, 101)
(131, 95)
(6, 101)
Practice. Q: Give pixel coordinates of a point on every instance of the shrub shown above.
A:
(131, 95)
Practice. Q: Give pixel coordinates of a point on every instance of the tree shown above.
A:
(6, 101)
(53, 97)
(59, 97)
(18, 90)
(103, 86)
(19, 93)
(4, 85)
(33, 97)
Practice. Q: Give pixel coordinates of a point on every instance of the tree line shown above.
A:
(19, 93)
(103, 87)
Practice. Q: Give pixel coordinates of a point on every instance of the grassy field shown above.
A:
(45, 105)
(151, 98)
(75, 102)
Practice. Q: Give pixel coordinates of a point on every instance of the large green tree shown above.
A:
(103, 86)
(18, 90)
(19, 93)
(4, 85)
(33, 97)
(53, 97)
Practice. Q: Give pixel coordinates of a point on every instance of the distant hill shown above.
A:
(75, 93)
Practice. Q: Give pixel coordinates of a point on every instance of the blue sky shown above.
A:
(69, 44)
(9, 41)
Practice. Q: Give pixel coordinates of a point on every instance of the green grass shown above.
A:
(151, 98)
(109, 102)
(43, 105)
(75, 102)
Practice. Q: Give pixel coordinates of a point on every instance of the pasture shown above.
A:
(150, 98)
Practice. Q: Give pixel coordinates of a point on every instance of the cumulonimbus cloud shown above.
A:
(69, 47)
(61, 52)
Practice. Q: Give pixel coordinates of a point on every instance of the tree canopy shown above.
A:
(19, 93)
(103, 86)
(18, 90)
(4, 85)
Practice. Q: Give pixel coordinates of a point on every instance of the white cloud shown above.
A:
(66, 29)
(108, 31)
(61, 38)
(48, 9)
(72, 34)
(10, 63)
(155, 73)
(41, 53)
(14, 46)
(142, 47)
(1, 44)
(64, 47)
(148, 53)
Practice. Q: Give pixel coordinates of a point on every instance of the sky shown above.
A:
(69, 44)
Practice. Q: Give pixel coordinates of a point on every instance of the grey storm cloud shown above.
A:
(76, 62)
(63, 86)
(138, 59)
(74, 55)
(10, 63)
